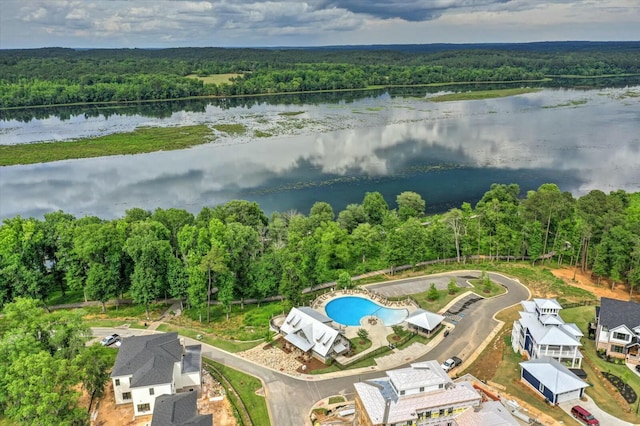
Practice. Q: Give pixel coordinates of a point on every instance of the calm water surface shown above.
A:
(448, 152)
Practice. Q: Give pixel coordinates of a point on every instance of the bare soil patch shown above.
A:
(584, 281)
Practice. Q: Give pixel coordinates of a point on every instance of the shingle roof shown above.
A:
(179, 410)
(192, 359)
(553, 375)
(148, 359)
(424, 319)
(614, 313)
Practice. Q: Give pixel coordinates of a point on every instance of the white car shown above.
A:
(451, 363)
(110, 340)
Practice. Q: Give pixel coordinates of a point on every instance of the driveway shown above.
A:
(291, 398)
(603, 417)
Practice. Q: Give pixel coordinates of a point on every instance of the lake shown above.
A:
(294, 154)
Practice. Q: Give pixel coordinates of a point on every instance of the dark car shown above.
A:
(110, 340)
(451, 363)
(638, 368)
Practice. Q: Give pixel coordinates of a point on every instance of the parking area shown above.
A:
(418, 285)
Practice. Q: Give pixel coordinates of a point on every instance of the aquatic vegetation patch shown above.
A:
(141, 140)
(482, 94)
(576, 102)
(236, 129)
(291, 113)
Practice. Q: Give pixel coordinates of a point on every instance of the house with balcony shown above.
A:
(153, 365)
(424, 395)
(541, 332)
(618, 329)
(312, 333)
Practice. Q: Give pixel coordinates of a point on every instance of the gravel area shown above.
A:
(273, 357)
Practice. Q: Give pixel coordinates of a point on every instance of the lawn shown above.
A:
(483, 94)
(224, 344)
(250, 323)
(255, 406)
(141, 140)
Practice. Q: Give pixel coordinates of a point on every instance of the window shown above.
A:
(441, 385)
(620, 336)
(144, 407)
(541, 388)
(441, 412)
(422, 389)
(117, 382)
(617, 349)
(126, 395)
(449, 411)
(129, 380)
(150, 391)
(401, 392)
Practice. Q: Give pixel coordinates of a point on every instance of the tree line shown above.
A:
(236, 249)
(62, 76)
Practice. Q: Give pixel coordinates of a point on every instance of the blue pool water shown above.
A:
(349, 310)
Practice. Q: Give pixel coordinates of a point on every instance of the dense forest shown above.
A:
(244, 254)
(63, 76)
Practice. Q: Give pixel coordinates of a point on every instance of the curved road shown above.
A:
(290, 398)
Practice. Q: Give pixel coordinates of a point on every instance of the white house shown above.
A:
(311, 332)
(423, 394)
(423, 321)
(541, 332)
(553, 380)
(618, 329)
(153, 365)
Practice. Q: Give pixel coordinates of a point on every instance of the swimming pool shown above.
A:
(349, 310)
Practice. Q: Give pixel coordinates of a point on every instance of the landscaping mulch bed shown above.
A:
(625, 390)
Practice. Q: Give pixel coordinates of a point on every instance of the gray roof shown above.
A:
(192, 359)
(553, 375)
(614, 313)
(315, 314)
(148, 359)
(419, 374)
(179, 410)
(425, 319)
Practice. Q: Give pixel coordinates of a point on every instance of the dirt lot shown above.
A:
(584, 281)
(106, 413)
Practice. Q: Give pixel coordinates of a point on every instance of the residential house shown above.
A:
(618, 329)
(424, 322)
(423, 394)
(312, 333)
(179, 410)
(541, 332)
(552, 380)
(152, 365)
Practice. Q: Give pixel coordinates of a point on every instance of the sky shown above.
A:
(258, 23)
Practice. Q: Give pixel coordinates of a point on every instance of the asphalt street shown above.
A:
(290, 399)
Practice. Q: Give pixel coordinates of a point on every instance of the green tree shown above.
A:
(375, 207)
(410, 204)
(344, 280)
(94, 364)
(213, 263)
(320, 213)
(433, 293)
(363, 334)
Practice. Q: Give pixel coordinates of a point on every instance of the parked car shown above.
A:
(581, 414)
(110, 340)
(451, 363)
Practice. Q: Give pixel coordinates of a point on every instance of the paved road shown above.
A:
(290, 399)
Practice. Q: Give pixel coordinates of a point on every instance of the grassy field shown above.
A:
(483, 94)
(246, 387)
(214, 78)
(224, 344)
(141, 140)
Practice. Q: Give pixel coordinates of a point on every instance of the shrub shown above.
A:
(363, 334)
(452, 287)
(433, 293)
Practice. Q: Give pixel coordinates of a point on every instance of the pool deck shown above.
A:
(378, 332)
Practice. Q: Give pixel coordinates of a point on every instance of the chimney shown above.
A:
(387, 406)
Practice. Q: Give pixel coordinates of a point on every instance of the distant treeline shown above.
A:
(62, 76)
(238, 249)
